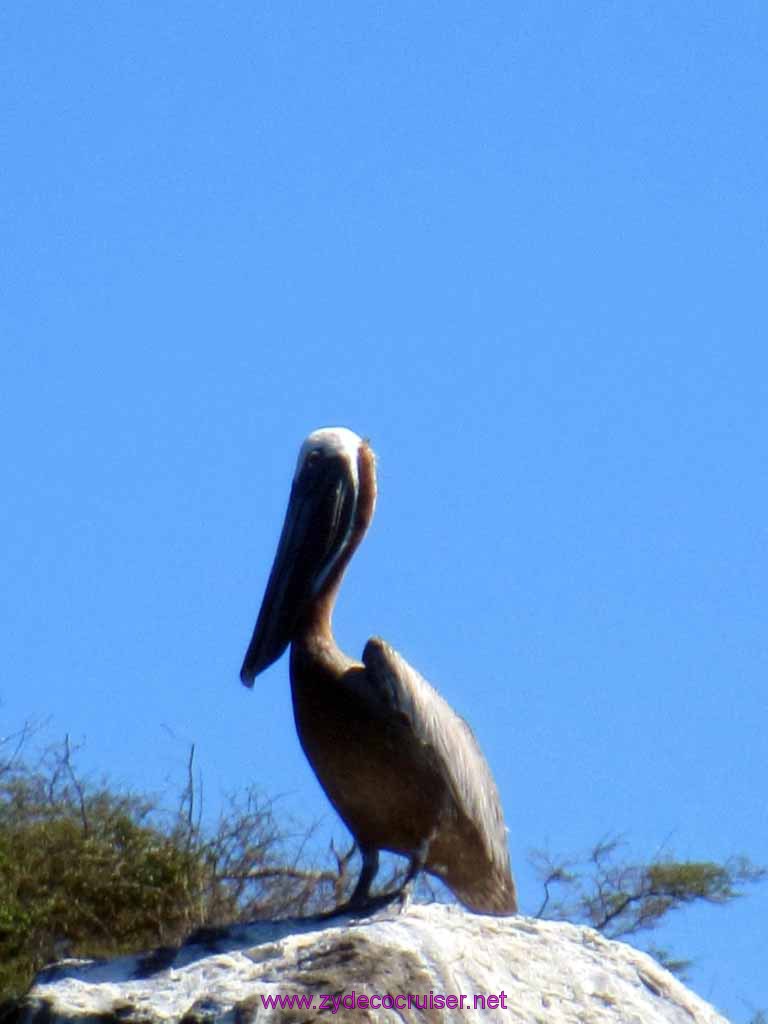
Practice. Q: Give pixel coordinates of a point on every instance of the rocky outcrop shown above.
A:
(414, 966)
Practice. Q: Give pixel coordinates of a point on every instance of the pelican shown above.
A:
(402, 769)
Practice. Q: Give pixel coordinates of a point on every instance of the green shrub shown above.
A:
(88, 871)
(85, 878)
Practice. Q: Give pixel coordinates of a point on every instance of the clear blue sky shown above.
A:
(523, 249)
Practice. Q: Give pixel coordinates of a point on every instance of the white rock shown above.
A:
(540, 973)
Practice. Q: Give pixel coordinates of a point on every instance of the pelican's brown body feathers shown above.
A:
(402, 769)
(376, 735)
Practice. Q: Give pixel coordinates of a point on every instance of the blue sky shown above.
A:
(523, 249)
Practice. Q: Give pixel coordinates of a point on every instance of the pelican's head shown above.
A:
(320, 532)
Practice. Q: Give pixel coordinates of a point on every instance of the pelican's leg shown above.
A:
(418, 860)
(360, 899)
(361, 895)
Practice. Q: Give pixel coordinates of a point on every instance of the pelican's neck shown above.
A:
(315, 625)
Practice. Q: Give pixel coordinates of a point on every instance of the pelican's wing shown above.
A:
(393, 682)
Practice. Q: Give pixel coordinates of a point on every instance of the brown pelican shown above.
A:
(402, 769)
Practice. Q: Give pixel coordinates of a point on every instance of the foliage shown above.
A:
(81, 871)
(86, 871)
(622, 899)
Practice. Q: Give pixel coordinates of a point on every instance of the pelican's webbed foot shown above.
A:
(361, 900)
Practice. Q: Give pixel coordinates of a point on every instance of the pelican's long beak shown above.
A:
(317, 527)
